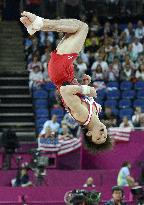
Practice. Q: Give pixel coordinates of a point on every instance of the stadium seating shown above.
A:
(101, 94)
(40, 103)
(126, 112)
(125, 103)
(113, 84)
(49, 86)
(139, 103)
(42, 112)
(128, 94)
(126, 85)
(113, 94)
(140, 94)
(40, 94)
(59, 111)
(139, 85)
(110, 103)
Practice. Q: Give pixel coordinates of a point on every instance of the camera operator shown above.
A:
(22, 178)
(117, 196)
(10, 143)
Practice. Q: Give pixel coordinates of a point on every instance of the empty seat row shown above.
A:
(116, 94)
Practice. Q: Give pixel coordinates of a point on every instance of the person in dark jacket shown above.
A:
(117, 196)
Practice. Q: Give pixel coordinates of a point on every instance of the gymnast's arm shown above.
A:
(69, 94)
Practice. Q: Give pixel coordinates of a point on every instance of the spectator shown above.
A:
(101, 62)
(133, 55)
(89, 182)
(109, 119)
(35, 62)
(127, 72)
(71, 123)
(98, 74)
(46, 56)
(130, 32)
(122, 49)
(140, 73)
(124, 176)
(139, 32)
(113, 72)
(53, 124)
(137, 46)
(136, 117)
(117, 196)
(81, 66)
(49, 137)
(65, 132)
(126, 123)
(36, 78)
(22, 179)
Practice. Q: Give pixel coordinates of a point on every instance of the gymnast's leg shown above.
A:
(76, 31)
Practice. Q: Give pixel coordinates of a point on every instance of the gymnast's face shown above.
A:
(98, 134)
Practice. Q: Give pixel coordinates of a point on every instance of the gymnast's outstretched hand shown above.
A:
(27, 18)
(32, 22)
(86, 79)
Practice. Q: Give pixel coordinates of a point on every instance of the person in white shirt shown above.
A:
(35, 77)
(124, 177)
(81, 66)
(136, 116)
(139, 32)
(137, 46)
(130, 32)
(101, 62)
(140, 73)
(53, 124)
(35, 62)
(89, 182)
(126, 123)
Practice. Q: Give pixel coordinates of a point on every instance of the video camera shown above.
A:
(77, 197)
(138, 193)
(38, 163)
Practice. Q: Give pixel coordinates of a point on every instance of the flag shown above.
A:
(64, 145)
(120, 134)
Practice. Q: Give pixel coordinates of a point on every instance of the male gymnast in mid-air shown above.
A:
(78, 99)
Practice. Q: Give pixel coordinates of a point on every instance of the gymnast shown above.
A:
(77, 99)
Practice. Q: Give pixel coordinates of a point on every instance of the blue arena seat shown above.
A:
(128, 94)
(99, 101)
(125, 103)
(41, 112)
(126, 112)
(140, 94)
(40, 103)
(101, 94)
(126, 85)
(138, 103)
(59, 111)
(40, 121)
(113, 94)
(49, 86)
(115, 111)
(139, 85)
(40, 94)
(113, 84)
(110, 103)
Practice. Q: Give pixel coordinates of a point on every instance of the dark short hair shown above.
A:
(117, 188)
(93, 147)
(125, 164)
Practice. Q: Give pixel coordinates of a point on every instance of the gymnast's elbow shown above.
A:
(63, 90)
